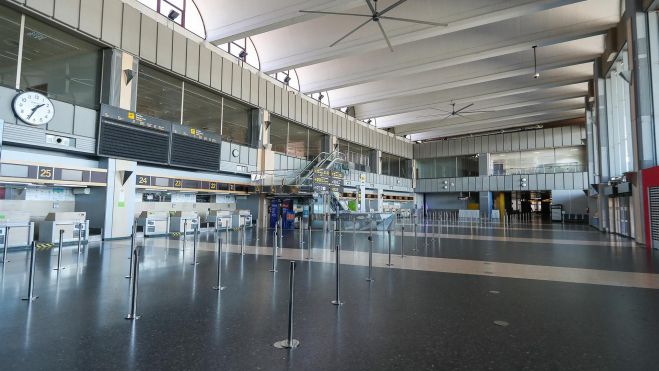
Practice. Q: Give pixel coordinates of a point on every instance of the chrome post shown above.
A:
(132, 247)
(274, 252)
(338, 301)
(354, 231)
(389, 263)
(132, 313)
(195, 235)
(370, 254)
(402, 241)
(415, 241)
(30, 284)
(219, 286)
(185, 233)
(289, 342)
(59, 252)
(301, 227)
(309, 245)
(4, 253)
(242, 241)
(79, 236)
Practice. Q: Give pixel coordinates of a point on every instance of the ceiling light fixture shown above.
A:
(287, 80)
(320, 97)
(242, 55)
(535, 63)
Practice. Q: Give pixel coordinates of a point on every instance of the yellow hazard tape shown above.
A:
(44, 246)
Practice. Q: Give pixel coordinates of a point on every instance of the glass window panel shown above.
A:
(425, 168)
(467, 166)
(316, 144)
(278, 134)
(445, 167)
(202, 109)
(10, 28)
(298, 137)
(236, 126)
(158, 94)
(59, 65)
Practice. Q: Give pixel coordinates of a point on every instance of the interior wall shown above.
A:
(445, 201)
(574, 202)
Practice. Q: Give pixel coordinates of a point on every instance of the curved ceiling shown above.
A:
(484, 56)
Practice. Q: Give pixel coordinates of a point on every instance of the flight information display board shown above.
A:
(324, 181)
(194, 148)
(129, 135)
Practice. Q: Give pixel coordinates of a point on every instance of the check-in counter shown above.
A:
(16, 229)
(219, 218)
(73, 224)
(240, 218)
(180, 221)
(154, 223)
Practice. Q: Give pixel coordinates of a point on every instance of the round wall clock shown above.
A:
(33, 108)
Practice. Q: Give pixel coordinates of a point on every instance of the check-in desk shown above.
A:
(179, 219)
(154, 223)
(18, 227)
(220, 218)
(72, 223)
(240, 218)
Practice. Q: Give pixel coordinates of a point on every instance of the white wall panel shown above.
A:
(246, 83)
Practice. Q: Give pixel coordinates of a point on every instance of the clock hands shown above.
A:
(35, 110)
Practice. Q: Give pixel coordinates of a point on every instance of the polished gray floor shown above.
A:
(406, 319)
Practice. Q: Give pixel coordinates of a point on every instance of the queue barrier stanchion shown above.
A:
(389, 235)
(309, 245)
(185, 233)
(337, 301)
(274, 251)
(79, 237)
(242, 241)
(289, 342)
(6, 245)
(132, 247)
(132, 305)
(370, 256)
(219, 286)
(402, 242)
(59, 252)
(30, 283)
(195, 235)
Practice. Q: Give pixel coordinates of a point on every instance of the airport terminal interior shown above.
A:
(329, 185)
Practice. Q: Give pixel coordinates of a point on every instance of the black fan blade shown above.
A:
(416, 21)
(439, 109)
(385, 36)
(370, 6)
(464, 108)
(335, 13)
(351, 32)
(478, 111)
(391, 7)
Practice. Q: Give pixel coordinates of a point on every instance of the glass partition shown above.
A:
(295, 140)
(10, 28)
(237, 122)
(159, 94)
(360, 156)
(202, 109)
(59, 65)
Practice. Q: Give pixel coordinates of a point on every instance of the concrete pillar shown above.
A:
(484, 164)
(485, 203)
(120, 76)
(119, 198)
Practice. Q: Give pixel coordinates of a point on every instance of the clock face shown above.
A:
(33, 108)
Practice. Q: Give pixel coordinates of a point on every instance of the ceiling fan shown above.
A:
(455, 112)
(376, 16)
